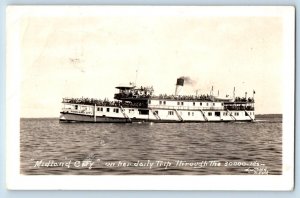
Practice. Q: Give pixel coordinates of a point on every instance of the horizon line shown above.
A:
(58, 116)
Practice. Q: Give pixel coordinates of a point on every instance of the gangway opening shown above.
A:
(205, 118)
(179, 117)
(155, 114)
(247, 114)
(124, 114)
(230, 113)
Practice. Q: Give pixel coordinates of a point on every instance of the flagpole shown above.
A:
(233, 93)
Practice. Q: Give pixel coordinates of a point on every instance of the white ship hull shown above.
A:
(113, 114)
(138, 104)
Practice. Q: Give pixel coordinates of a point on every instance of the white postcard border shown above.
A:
(206, 182)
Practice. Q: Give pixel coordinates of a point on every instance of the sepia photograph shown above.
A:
(150, 94)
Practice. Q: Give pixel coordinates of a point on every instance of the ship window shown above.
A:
(181, 103)
(237, 113)
(178, 103)
(217, 113)
(159, 102)
(188, 113)
(192, 113)
(207, 104)
(116, 110)
(107, 109)
(149, 102)
(213, 104)
(76, 107)
(143, 112)
(209, 114)
(164, 102)
(200, 103)
(170, 112)
(222, 104)
(98, 108)
(224, 113)
(193, 103)
(101, 109)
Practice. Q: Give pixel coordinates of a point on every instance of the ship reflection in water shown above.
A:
(50, 147)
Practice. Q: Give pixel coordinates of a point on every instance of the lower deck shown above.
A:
(111, 114)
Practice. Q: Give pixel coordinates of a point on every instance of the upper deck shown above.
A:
(194, 98)
(169, 102)
(143, 97)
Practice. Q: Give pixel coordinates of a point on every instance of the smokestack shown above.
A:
(179, 85)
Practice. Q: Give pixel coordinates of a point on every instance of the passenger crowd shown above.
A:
(91, 101)
(131, 95)
(105, 102)
(164, 96)
(243, 99)
(202, 97)
(185, 97)
(146, 93)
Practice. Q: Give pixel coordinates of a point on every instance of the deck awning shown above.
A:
(124, 87)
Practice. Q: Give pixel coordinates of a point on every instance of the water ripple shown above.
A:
(47, 139)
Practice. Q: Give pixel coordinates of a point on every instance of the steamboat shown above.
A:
(139, 104)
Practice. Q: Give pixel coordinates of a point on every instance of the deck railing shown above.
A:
(84, 112)
(239, 108)
(185, 107)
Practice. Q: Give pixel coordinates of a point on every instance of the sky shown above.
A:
(78, 54)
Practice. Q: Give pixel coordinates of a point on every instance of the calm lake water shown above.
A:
(50, 147)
